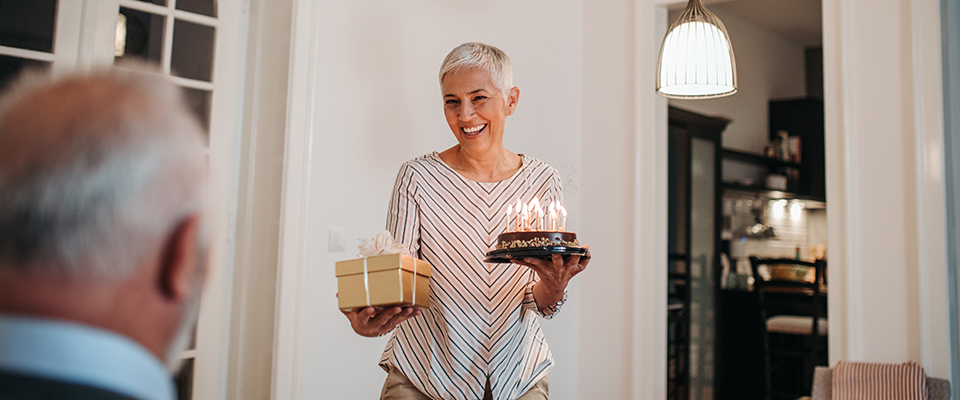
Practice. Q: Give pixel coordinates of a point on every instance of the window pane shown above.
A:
(204, 7)
(199, 101)
(185, 380)
(157, 2)
(192, 55)
(140, 37)
(10, 68)
(28, 24)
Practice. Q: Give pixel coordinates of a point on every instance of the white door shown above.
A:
(196, 43)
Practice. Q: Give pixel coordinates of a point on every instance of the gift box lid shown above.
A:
(383, 263)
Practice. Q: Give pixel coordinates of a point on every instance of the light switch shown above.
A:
(336, 240)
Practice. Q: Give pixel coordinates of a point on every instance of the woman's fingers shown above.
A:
(408, 312)
(371, 323)
(380, 319)
(586, 258)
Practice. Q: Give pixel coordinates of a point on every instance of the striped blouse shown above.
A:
(482, 318)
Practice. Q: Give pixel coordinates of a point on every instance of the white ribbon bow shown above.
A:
(381, 244)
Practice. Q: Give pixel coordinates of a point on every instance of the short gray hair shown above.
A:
(93, 181)
(483, 56)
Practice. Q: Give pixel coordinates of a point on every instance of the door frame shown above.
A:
(846, 60)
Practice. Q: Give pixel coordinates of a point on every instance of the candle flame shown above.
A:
(533, 205)
(563, 213)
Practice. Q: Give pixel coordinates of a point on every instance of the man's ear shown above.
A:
(513, 97)
(180, 260)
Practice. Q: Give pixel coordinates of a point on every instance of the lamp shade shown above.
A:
(696, 57)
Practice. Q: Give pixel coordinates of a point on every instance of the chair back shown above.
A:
(790, 278)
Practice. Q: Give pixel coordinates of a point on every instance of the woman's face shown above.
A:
(476, 110)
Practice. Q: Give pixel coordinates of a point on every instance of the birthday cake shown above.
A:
(529, 232)
(527, 239)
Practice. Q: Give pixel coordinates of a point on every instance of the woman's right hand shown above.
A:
(370, 323)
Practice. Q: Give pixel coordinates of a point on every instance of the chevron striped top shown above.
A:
(482, 322)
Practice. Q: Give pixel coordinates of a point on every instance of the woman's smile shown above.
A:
(473, 131)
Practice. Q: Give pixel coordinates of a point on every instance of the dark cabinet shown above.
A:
(803, 118)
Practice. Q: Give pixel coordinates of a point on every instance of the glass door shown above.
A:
(37, 34)
(693, 259)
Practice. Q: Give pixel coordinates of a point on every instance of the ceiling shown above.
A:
(796, 20)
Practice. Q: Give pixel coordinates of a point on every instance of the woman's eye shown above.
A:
(451, 102)
(478, 98)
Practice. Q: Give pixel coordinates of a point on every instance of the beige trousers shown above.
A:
(398, 387)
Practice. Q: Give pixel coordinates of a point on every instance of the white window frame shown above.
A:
(65, 40)
(96, 26)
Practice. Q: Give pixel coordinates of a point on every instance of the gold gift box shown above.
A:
(381, 281)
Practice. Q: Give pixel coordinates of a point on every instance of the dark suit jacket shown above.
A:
(24, 387)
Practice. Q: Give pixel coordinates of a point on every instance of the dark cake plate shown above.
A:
(545, 252)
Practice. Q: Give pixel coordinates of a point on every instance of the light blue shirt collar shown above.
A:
(82, 354)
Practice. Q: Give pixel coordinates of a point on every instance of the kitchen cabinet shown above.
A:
(798, 117)
(803, 118)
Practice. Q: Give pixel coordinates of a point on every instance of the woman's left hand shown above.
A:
(554, 275)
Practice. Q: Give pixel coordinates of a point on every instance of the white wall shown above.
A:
(885, 182)
(609, 178)
(378, 104)
(768, 67)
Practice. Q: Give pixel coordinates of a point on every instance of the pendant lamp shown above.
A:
(696, 57)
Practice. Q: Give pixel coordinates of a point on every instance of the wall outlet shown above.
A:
(336, 240)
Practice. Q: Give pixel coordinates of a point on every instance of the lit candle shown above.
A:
(519, 210)
(526, 217)
(563, 218)
(552, 216)
(539, 217)
(506, 222)
(536, 214)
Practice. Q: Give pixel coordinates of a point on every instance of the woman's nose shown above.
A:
(467, 111)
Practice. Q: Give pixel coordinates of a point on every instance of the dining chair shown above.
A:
(792, 305)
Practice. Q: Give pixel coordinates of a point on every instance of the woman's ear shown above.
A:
(513, 97)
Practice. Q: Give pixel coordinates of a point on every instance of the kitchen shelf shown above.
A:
(751, 158)
(812, 202)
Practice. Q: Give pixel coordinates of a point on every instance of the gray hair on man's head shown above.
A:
(483, 56)
(95, 170)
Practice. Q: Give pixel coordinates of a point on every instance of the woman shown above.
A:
(480, 338)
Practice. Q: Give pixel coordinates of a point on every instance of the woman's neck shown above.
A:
(492, 166)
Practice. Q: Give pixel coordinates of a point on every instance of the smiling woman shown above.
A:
(476, 111)
(478, 94)
(480, 338)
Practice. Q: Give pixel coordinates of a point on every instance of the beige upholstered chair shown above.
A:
(937, 389)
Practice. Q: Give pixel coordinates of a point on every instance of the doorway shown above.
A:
(761, 183)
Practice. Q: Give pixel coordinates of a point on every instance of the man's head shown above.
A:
(102, 184)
